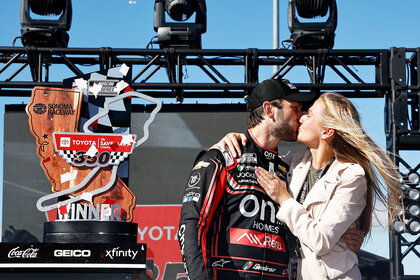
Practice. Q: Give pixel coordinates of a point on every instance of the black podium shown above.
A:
(79, 250)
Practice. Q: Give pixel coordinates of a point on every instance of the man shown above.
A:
(228, 228)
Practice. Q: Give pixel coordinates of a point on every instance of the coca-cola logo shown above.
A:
(28, 253)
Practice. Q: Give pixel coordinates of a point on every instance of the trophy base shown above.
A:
(90, 232)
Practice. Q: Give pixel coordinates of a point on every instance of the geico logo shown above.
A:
(250, 206)
(247, 175)
(269, 155)
(72, 253)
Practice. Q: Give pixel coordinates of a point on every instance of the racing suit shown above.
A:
(228, 228)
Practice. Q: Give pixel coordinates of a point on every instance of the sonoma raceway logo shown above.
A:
(54, 109)
(39, 108)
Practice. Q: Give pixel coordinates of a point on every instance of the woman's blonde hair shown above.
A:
(352, 144)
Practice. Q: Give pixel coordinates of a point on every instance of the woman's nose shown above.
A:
(301, 119)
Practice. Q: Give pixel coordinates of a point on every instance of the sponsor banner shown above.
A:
(12, 254)
(157, 227)
(91, 149)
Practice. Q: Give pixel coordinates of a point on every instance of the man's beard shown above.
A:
(284, 132)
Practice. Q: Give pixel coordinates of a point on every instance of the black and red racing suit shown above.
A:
(228, 228)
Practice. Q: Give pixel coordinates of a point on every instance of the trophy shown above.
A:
(82, 154)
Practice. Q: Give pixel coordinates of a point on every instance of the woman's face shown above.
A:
(310, 130)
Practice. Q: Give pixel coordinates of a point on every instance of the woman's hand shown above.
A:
(353, 237)
(273, 185)
(231, 140)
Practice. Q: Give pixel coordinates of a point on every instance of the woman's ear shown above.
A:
(327, 133)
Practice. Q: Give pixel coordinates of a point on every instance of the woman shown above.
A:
(331, 187)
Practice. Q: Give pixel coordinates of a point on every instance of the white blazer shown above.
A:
(334, 203)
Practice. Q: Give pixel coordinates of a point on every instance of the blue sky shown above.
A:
(242, 24)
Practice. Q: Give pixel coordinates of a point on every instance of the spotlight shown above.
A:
(411, 200)
(398, 226)
(45, 32)
(399, 210)
(312, 35)
(180, 34)
(179, 10)
(413, 194)
(413, 178)
(414, 227)
(414, 210)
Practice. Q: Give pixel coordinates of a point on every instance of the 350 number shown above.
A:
(82, 159)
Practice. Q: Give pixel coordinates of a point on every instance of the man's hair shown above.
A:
(256, 116)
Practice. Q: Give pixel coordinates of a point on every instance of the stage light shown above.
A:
(414, 227)
(312, 34)
(45, 32)
(180, 34)
(411, 212)
(413, 178)
(179, 10)
(399, 210)
(398, 226)
(414, 210)
(413, 194)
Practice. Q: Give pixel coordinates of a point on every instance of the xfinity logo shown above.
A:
(115, 253)
(67, 253)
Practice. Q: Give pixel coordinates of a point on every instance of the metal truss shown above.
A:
(392, 73)
(402, 114)
(214, 67)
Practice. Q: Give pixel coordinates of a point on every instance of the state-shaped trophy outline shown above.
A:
(87, 179)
